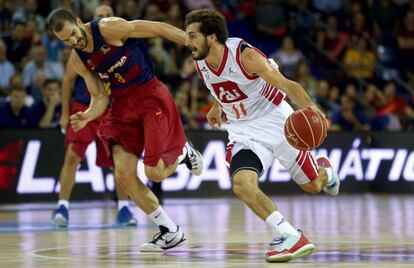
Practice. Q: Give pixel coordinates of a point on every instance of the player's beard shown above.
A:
(202, 53)
(84, 38)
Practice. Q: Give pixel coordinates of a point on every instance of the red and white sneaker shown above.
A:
(332, 187)
(289, 247)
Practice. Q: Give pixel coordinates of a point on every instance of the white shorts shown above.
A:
(266, 138)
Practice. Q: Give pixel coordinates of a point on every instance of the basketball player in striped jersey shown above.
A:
(76, 143)
(112, 58)
(249, 94)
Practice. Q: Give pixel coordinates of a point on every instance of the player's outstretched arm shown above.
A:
(99, 98)
(115, 28)
(256, 64)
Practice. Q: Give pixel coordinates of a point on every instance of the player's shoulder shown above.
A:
(233, 42)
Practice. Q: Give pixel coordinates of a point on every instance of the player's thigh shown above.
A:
(163, 131)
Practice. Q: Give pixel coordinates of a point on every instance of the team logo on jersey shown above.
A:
(231, 70)
(118, 64)
(228, 92)
(105, 49)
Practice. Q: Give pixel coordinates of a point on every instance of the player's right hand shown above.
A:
(78, 121)
(215, 116)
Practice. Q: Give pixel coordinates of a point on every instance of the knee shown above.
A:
(123, 174)
(154, 174)
(242, 186)
(72, 159)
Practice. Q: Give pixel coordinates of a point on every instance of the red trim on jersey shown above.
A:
(236, 111)
(199, 71)
(238, 60)
(222, 63)
(229, 155)
(272, 94)
(243, 109)
(306, 162)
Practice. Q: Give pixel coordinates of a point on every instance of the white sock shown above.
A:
(160, 217)
(183, 155)
(63, 202)
(278, 223)
(122, 203)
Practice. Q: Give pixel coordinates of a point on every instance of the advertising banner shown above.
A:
(30, 162)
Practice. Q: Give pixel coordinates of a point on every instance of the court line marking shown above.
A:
(181, 259)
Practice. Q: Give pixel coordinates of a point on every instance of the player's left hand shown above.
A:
(78, 121)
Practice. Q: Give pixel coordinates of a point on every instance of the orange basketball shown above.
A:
(305, 129)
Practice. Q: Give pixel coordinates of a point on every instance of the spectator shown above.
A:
(348, 118)
(162, 62)
(17, 48)
(38, 63)
(7, 8)
(7, 70)
(327, 6)
(305, 78)
(129, 10)
(14, 113)
(288, 57)
(270, 18)
(332, 41)
(372, 100)
(33, 35)
(395, 105)
(385, 15)
(53, 46)
(29, 11)
(196, 4)
(360, 61)
(405, 42)
(47, 110)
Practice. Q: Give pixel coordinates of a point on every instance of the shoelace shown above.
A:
(158, 237)
(193, 161)
(278, 241)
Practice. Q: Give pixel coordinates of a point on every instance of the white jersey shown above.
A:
(241, 95)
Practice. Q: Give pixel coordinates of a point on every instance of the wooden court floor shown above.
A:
(349, 231)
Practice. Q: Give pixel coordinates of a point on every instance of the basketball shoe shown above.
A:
(125, 218)
(288, 247)
(60, 217)
(193, 159)
(332, 186)
(165, 240)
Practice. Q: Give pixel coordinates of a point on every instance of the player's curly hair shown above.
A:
(211, 22)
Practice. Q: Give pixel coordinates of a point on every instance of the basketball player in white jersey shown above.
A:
(249, 93)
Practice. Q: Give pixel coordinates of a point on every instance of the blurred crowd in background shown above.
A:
(354, 58)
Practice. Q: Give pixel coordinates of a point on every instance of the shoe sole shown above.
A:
(304, 251)
(280, 258)
(59, 221)
(198, 173)
(181, 243)
(131, 223)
